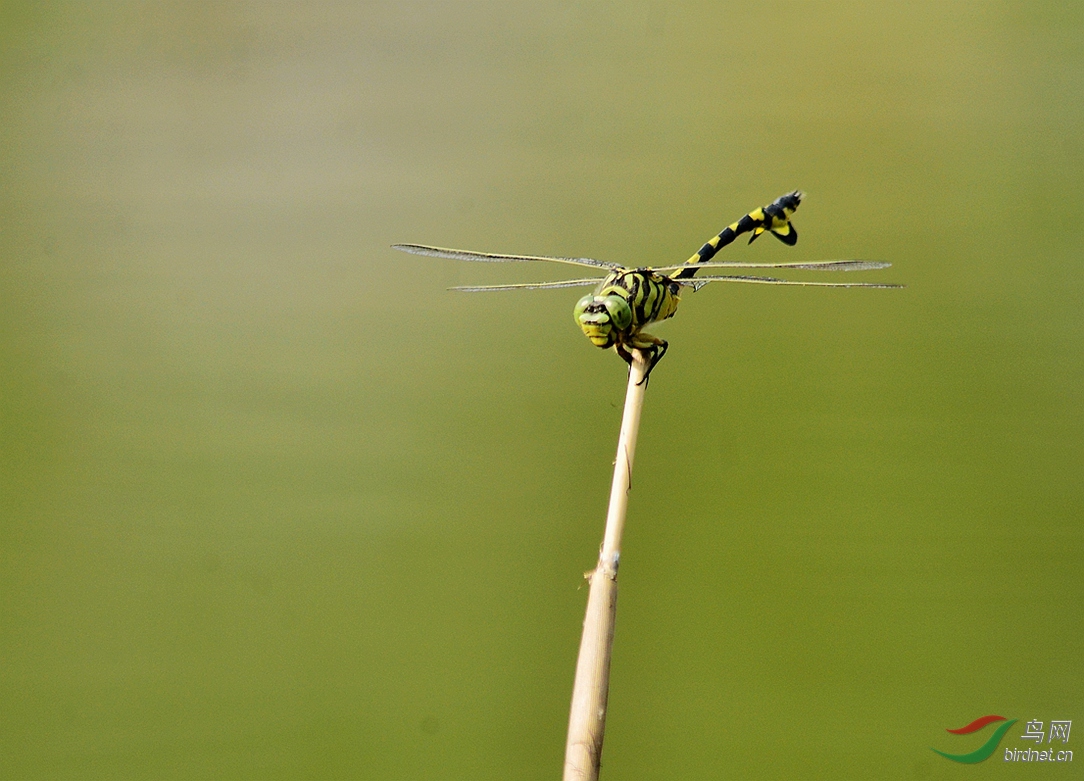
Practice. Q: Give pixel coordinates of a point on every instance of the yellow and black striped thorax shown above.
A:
(650, 295)
(626, 301)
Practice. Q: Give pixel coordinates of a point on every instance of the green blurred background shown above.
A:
(274, 504)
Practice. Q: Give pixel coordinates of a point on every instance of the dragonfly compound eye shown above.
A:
(602, 318)
(620, 311)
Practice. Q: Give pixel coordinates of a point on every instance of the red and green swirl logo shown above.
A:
(986, 749)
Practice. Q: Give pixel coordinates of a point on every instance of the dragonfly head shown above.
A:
(602, 318)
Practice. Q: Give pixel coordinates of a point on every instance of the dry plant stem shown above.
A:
(587, 722)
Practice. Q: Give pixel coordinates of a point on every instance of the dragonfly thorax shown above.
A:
(603, 318)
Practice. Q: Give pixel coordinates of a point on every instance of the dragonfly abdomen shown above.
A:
(775, 218)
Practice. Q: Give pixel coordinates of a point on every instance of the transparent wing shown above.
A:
(530, 286)
(487, 257)
(698, 282)
(818, 265)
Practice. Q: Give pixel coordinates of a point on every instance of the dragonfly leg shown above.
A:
(655, 355)
(654, 347)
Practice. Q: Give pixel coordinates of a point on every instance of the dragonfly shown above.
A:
(626, 300)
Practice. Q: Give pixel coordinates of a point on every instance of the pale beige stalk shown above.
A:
(587, 722)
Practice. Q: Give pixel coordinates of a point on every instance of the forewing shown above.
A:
(488, 257)
(817, 265)
(697, 282)
(529, 286)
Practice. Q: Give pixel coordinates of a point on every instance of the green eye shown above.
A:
(620, 311)
(581, 307)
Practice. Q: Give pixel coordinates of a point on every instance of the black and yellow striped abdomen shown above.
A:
(774, 218)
